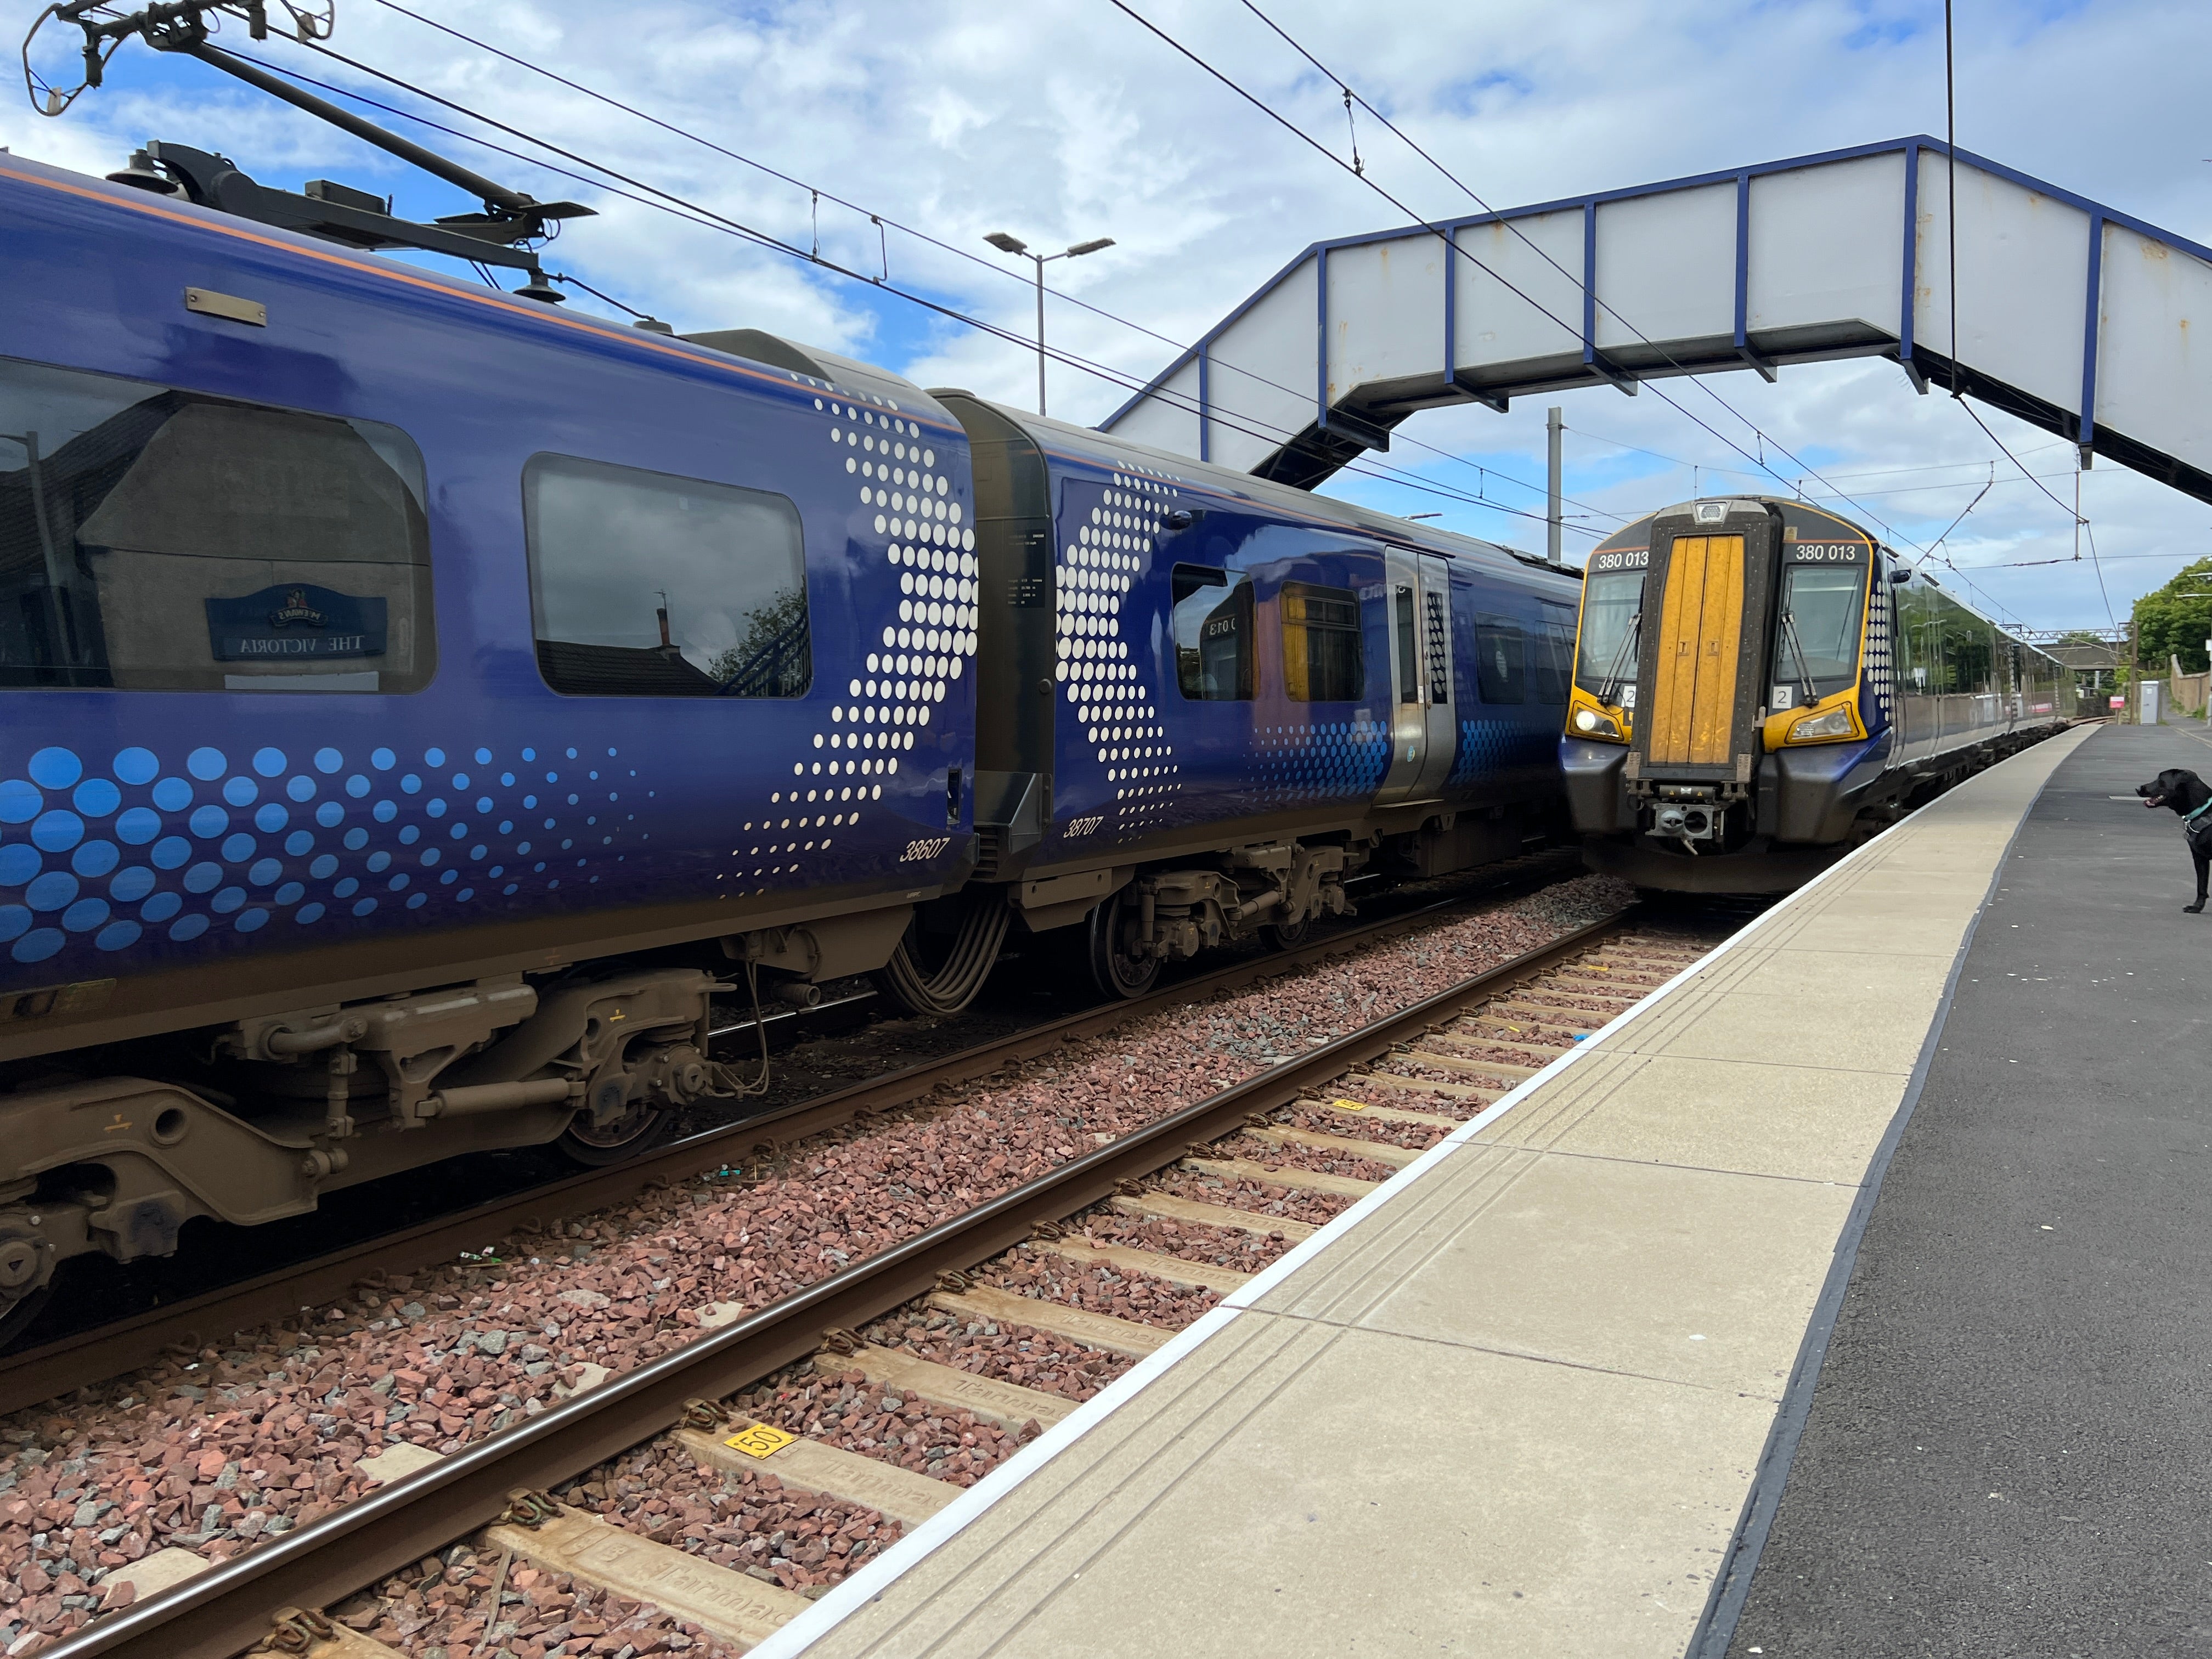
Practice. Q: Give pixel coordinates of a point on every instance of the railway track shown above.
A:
(31, 1373)
(1245, 1164)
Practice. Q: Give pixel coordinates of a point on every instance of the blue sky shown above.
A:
(1066, 121)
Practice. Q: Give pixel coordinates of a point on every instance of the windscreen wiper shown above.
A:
(1797, 645)
(1616, 673)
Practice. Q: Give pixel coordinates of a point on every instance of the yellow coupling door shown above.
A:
(1701, 630)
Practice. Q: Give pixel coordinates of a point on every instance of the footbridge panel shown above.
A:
(2072, 315)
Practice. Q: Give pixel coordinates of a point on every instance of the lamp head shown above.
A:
(1006, 244)
(1091, 248)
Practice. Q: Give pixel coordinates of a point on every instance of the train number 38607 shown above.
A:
(927, 847)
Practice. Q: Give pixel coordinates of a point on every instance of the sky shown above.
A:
(1065, 120)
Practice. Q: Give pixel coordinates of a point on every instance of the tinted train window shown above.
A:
(1816, 648)
(1212, 634)
(1612, 607)
(1402, 623)
(1498, 669)
(156, 539)
(1552, 654)
(1321, 657)
(644, 585)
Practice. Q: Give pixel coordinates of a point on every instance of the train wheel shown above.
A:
(598, 1144)
(19, 1315)
(1285, 936)
(1114, 969)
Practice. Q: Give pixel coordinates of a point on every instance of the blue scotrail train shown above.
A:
(420, 702)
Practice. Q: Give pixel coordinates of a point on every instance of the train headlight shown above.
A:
(1591, 724)
(1836, 723)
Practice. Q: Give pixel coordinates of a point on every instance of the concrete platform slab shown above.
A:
(1538, 1368)
(1680, 1284)
(2007, 1452)
(1815, 1124)
(1239, 1544)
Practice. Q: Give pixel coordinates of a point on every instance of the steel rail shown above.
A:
(224, 1610)
(33, 1375)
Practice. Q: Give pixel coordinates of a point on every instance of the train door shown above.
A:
(1417, 597)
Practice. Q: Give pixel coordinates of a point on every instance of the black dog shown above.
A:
(2187, 793)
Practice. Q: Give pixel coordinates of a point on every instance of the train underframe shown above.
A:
(1801, 811)
(111, 1150)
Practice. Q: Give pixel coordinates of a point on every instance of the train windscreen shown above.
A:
(1605, 665)
(1816, 647)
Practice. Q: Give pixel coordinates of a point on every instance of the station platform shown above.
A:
(1568, 1383)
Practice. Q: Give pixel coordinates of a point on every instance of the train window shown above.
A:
(1816, 647)
(1401, 607)
(646, 585)
(157, 539)
(1551, 654)
(1212, 634)
(1321, 657)
(1605, 663)
(1499, 671)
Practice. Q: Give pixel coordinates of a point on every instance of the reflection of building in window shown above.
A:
(772, 660)
(646, 585)
(1322, 659)
(1500, 673)
(1212, 624)
(157, 539)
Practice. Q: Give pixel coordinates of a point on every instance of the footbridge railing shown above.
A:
(2072, 315)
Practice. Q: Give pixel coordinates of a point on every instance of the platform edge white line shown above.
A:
(870, 1583)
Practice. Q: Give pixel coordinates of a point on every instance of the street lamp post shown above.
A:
(1014, 245)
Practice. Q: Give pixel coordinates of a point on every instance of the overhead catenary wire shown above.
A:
(1445, 236)
(1880, 472)
(1985, 488)
(1951, 165)
(707, 218)
(1477, 198)
(818, 195)
(666, 201)
(1951, 217)
(1869, 472)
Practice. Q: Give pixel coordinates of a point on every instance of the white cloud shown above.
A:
(1059, 122)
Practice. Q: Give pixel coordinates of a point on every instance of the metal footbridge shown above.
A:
(2075, 317)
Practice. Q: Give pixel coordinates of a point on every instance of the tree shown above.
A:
(765, 624)
(2176, 620)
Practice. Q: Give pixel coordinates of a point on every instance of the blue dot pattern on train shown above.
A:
(1321, 760)
(1498, 746)
(183, 845)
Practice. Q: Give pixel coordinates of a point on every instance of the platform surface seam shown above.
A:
(1542, 1360)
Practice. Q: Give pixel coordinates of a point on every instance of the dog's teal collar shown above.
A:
(2187, 817)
